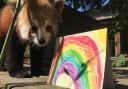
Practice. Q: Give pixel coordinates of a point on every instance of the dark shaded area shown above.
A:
(75, 22)
(119, 86)
(120, 73)
(2, 3)
(2, 68)
(41, 59)
(124, 40)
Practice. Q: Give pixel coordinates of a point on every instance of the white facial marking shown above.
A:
(24, 31)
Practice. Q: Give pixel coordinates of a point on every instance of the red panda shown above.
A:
(43, 15)
(37, 22)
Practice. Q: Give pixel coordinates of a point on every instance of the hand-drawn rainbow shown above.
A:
(79, 62)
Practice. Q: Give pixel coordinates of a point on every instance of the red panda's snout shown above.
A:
(42, 36)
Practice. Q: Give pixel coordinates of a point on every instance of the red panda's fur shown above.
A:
(6, 16)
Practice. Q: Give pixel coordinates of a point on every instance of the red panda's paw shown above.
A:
(21, 74)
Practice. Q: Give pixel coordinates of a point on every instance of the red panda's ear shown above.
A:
(59, 5)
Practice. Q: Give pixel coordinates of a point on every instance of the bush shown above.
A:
(120, 61)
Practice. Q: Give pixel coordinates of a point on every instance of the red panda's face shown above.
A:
(44, 17)
(38, 20)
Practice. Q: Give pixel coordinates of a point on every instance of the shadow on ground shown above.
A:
(120, 73)
(121, 77)
(120, 86)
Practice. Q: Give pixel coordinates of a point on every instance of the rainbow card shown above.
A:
(79, 62)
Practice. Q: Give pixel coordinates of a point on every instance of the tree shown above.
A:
(120, 22)
(120, 14)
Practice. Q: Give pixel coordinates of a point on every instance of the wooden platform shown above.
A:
(7, 82)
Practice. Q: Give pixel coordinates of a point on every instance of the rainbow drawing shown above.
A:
(79, 62)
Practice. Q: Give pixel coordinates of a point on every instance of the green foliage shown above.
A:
(120, 61)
